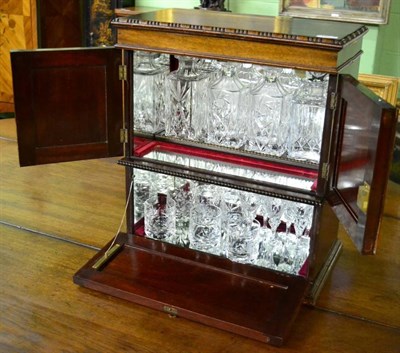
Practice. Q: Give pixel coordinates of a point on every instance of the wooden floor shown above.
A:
(53, 218)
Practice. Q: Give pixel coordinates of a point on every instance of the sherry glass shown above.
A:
(289, 214)
(289, 253)
(302, 252)
(273, 208)
(251, 202)
(276, 255)
(182, 194)
(265, 246)
(231, 204)
(272, 211)
(303, 219)
(299, 215)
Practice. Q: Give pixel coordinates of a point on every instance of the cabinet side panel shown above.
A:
(324, 245)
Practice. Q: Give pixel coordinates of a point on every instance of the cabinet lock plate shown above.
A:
(363, 197)
(172, 312)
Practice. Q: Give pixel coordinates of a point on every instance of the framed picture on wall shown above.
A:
(364, 11)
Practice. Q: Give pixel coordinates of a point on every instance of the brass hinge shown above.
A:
(363, 197)
(325, 171)
(122, 72)
(123, 135)
(333, 102)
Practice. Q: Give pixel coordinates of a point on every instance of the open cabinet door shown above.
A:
(68, 104)
(181, 282)
(364, 153)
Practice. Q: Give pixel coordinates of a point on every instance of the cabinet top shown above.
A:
(225, 24)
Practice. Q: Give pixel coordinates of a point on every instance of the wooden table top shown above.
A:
(53, 218)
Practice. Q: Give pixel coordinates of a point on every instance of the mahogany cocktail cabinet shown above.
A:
(74, 104)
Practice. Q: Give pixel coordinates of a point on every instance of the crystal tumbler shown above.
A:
(242, 239)
(205, 228)
(159, 218)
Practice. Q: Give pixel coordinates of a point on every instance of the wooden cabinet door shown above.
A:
(364, 150)
(242, 299)
(68, 104)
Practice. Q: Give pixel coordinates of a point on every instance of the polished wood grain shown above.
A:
(368, 286)
(79, 201)
(69, 208)
(294, 30)
(221, 49)
(295, 43)
(206, 289)
(42, 310)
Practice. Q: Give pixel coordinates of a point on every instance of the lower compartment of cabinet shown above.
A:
(247, 300)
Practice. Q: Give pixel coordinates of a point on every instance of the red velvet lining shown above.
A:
(142, 149)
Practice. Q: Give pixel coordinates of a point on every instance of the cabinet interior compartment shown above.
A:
(269, 112)
(242, 226)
